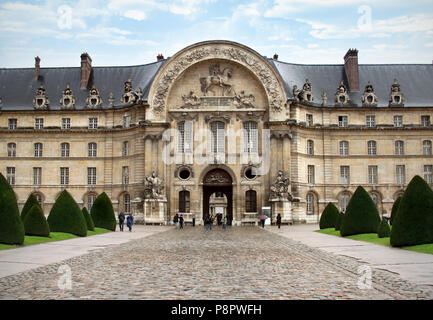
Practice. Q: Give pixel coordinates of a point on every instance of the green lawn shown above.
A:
(373, 238)
(54, 236)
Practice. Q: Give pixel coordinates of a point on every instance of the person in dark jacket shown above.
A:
(181, 222)
(279, 221)
(121, 218)
(176, 220)
(129, 222)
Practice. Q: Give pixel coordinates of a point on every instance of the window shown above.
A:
(64, 149)
(12, 149)
(184, 201)
(218, 137)
(344, 201)
(125, 148)
(126, 121)
(426, 148)
(93, 123)
(342, 121)
(398, 121)
(309, 119)
(310, 147)
(425, 121)
(399, 147)
(311, 175)
(400, 174)
(428, 174)
(250, 137)
(125, 175)
(38, 149)
(372, 175)
(39, 123)
(66, 123)
(370, 121)
(12, 124)
(10, 175)
(91, 176)
(344, 174)
(184, 136)
(344, 148)
(37, 176)
(90, 200)
(127, 203)
(251, 201)
(310, 203)
(64, 176)
(92, 150)
(371, 146)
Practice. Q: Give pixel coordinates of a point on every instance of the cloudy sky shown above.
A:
(130, 32)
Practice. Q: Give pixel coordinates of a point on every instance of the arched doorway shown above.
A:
(218, 181)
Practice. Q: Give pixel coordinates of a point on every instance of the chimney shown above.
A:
(159, 57)
(37, 67)
(351, 69)
(86, 68)
(275, 56)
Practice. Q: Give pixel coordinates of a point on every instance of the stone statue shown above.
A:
(129, 96)
(244, 101)
(190, 100)
(296, 92)
(306, 94)
(280, 188)
(153, 186)
(217, 77)
(396, 97)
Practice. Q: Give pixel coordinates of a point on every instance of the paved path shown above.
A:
(239, 263)
(412, 266)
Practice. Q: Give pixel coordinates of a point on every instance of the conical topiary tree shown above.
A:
(102, 213)
(413, 223)
(339, 220)
(361, 215)
(89, 220)
(66, 216)
(31, 201)
(35, 223)
(11, 226)
(394, 209)
(383, 230)
(329, 216)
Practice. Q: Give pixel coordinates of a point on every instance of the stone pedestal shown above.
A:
(154, 211)
(282, 207)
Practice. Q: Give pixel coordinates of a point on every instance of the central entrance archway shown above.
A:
(220, 182)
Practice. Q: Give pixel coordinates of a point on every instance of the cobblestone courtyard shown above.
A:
(238, 263)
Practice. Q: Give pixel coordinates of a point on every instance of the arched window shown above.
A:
(311, 203)
(344, 201)
(184, 201)
(12, 149)
(90, 199)
(64, 149)
(344, 148)
(310, 147)
(250, 137)
(371, 146)
(126, 203)
(217, 137)
(92, 149)
(38, 149)
(399, 147)
(251, 201)
(184, 136)
(426, 148)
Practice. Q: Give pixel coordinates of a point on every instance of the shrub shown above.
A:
(383, 230)
(339, 221)
(31, 201)
(413, 223)
(102, 213)
(361, 215)
(35, 223)
(66, 216)
(11, 226)
(89, 220)
(329, 216)
(394, 209)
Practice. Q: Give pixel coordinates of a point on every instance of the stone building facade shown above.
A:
(217, 118)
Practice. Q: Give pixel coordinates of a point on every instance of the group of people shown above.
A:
(129, 221)
(221, 221)
(263, 219)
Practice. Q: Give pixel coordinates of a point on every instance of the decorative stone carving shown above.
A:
(280, 188)
(274, 90)
(129, 97)
(93, 100)
(217, 116)
(241, 100)
(40, 101)
(217, 77)
(153, 187)
(341, 96)
(217, 178)
(306, 95)
(396, 97)
(111, 99)
(67, 101)
(296, 92)
(369, 98)
(190, 100)
(324, 98)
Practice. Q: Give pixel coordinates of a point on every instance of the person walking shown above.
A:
(210, 221)
(175, 220)
(121, 218)
(279, 221)
(193, 220)
(129, 222)
(181, 221)
(262, 221)
(224, 222)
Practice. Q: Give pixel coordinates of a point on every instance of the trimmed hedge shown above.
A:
(102, 213)
(394, 209)
(31, 201)
(339, 220)
(66, 216)
(361, 215)
(383, 230)
(413, 223)
(11, 226)
(88, 218)
(35, 223)
(329, 216)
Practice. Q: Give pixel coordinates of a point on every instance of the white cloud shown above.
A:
(135, 14)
